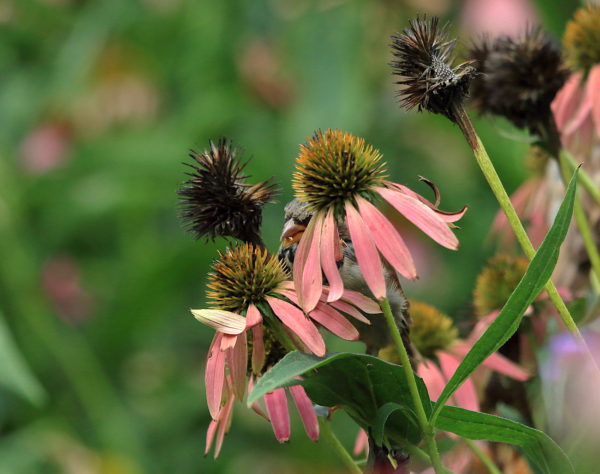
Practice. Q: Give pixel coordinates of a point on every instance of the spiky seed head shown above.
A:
(424, 64)
(431, 329)
(243, 275)
(496, 282)
(582, 38)
(217, 201)
(335, 166)
(519, 77)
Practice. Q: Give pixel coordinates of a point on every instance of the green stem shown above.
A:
(584, 179)
(491, 176)
(483, 457)
(329, 435)
(428, 431)
(581, 220)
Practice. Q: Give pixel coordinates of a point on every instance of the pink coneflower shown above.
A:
(435, 337)
(577, 105)
(254, 308)
(341, 178)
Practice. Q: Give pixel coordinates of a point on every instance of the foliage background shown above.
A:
(102, 362)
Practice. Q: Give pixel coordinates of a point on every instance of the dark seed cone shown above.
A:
(518, 79)
(217, 201)
(424, 64)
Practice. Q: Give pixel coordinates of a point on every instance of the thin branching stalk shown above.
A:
(584, 178)
(329, 435)
(428, 430)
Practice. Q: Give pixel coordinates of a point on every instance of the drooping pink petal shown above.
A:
(329, 318)
(593, 93)
(256, 406)
(495, 362)
(361, 445)
(223, 426)
(237, 361)
(223, 321)
(306, 410)
(583, 114)
(329, 242)
(210, 434)
(228, 341)
(450, 217)
(253, 316)
(388, 240)
(299, 324)
(214, 376)
(422, 216)
(300, 257)
(481, 326)
(465, 395)
(277, 408)
(361, 301)
(566, 101)
(258, 349)
(433, 378)
(350, 310)
(366, 253)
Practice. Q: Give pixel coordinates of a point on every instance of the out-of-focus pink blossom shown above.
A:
(46, 147)
(498, 17)
(61, 281)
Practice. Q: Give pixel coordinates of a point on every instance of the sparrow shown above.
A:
(375, 336)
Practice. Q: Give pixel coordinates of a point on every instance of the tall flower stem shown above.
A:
(581, 220)
(483, 457)
(329, 435)
(428, 430)
(488, 170)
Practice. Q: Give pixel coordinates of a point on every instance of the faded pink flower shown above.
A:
(255, 306)
(576, 110)
(341, 179)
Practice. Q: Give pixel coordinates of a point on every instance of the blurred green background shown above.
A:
(100, 360)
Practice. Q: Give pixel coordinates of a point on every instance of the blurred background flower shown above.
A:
(99, 104)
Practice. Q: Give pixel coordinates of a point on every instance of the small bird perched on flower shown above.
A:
(376, 335)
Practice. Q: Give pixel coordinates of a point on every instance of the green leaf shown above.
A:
(539, 449)
(505, 325)
(14, 373)
(383, 415)
(359, 383)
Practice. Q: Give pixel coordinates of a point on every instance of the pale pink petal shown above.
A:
(329, 241)
(237, 361)
(299, 324)
(301, 255)
(388, 240)
(214, 376)
(361, 445)
(258, 349)
(228, 341)
(593, 93)
(450, 217)
(433, 378)
(481, 326)
(224, 422)
(277, 408)
(256, 406)
(223, 321)
(312, 278)
(306, 410)
(501, 364)
(253, 316)
(465, 395)
(422, 216)
(329, 318)
(366, 253)
(210, 434)
(350, 310)
(361, 301)
(566, 101)
(583, 114)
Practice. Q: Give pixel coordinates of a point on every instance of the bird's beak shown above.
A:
(292, 233)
